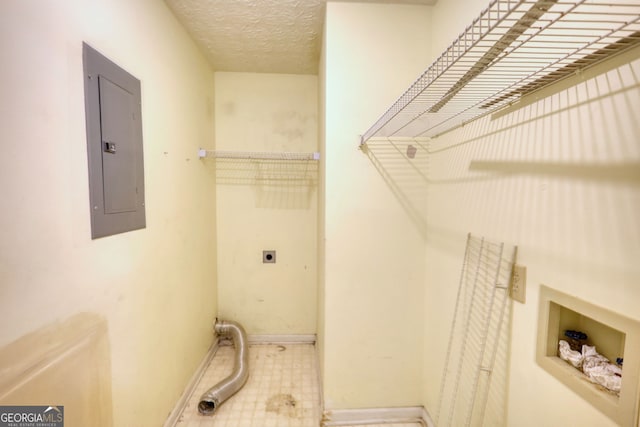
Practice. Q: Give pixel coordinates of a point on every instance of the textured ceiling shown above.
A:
(261, 36)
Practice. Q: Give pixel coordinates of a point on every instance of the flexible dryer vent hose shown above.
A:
(226, 388)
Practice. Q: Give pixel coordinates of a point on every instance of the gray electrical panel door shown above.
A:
(114, 145)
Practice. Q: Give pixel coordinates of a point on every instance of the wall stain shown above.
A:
(228, 108)
(66, 363)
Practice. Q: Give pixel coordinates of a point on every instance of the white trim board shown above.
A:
(188, 391)
(281, 339)
(349, 417)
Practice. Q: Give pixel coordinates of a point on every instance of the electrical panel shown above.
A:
(114, 146)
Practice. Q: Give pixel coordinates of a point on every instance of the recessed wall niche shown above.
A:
(615, 336)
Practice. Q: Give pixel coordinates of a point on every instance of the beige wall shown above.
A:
(373, 274)
(267, 205)
(322, 194)
(450, 18)
(559, 178)
(155, 287)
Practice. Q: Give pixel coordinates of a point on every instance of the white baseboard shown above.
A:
(195, 379)
(426, 418)
(336, 417)
(348, 417)
(281, 339)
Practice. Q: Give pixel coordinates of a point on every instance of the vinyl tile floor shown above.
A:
(282, 390)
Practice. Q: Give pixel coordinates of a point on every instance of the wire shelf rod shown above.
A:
(257, 155)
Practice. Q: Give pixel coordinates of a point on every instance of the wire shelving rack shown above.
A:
(473, 390)
(273, 169)
(256, 155)
(513, 48)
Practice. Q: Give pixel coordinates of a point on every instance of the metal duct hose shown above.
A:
(226, 388)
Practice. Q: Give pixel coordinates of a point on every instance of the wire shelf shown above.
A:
(513, 48)
(473, 390)
(266, 169)
(257, 155)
